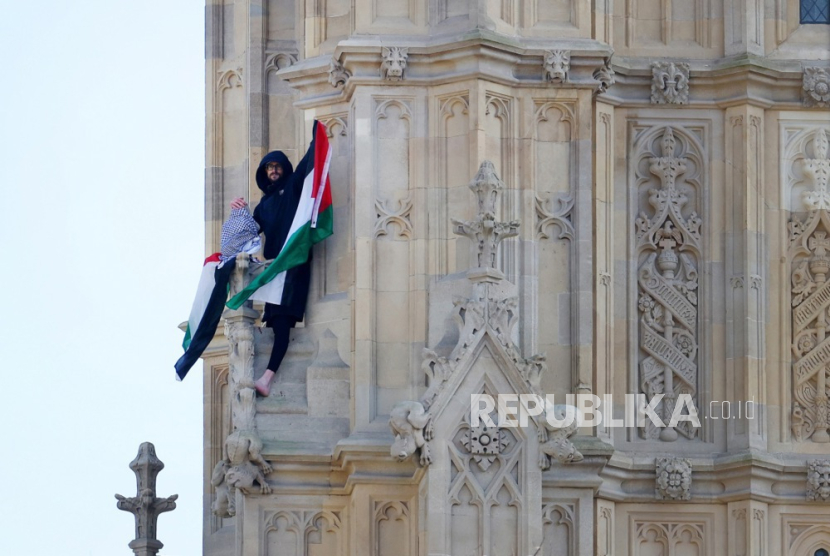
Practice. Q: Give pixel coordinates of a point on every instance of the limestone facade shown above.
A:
(660, 225)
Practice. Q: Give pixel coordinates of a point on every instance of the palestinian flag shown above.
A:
(206, 312)
(313, 220)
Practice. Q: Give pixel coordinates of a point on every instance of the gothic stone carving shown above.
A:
(668, 248)
(669, 83)
(818, 480)
(394, 63)
(145, 506)
(816, 85)
(556, 66)
(484, 443)
(560, 216)
(606, 76)
(674, 479)
(412, 427)
(393, 212)
(555, 441)
(818, 170)
(485, 232)
(809, 245)
(338, 75)
(242, 465)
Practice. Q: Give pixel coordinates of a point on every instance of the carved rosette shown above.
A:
(818, 480)
(810, 290)
(668, 250)
(674, 479)
(484, 444)
(669, 83)
(816, 86)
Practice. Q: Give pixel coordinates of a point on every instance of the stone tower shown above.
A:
(649, 214)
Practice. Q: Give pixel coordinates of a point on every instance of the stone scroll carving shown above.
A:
(669, 83)
(810, 264)
(557, 64)
(818, 480)
(816, 87)
(393, 64)
(242, 463)
(668, 246)
(555, 212)
(674, 479)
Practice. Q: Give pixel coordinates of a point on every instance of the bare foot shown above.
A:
(263, 385)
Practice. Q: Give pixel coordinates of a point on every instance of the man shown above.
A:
(274, 213)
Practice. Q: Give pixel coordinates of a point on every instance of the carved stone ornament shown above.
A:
(555, 212)
(485, 232)
(674, 479)
(606, 77)
(818, 480)
(338, 75)
(145, 505)
(668, 249)
(484, 443)
(393, 64)
(556, 64)
(810, 262)
(818, 170)
(393, 213)
(554, 439)
(242, 463)
(412, 426)
(816, 85)
(669, 83)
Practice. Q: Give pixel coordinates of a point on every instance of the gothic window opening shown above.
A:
(815, 11)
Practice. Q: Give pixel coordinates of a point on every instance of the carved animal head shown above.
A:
(394, 62)
(403, 447)
(557, 65)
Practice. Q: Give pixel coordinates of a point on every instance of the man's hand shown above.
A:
(238, 203)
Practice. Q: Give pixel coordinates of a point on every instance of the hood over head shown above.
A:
(262, 177)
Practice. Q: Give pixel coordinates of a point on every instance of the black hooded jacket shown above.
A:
(274, 214)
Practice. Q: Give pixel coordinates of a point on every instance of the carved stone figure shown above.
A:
(554, 439)
(668, 247)
(818, 480)
(606, 77)
(146, 506)
(816, 85)
(338, 75)
(394, 63)
(556, 65)
(674, 479)
(669, 83)
(412, 427)
(242, 465)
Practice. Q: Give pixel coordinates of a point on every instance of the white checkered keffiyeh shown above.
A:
(240, 234)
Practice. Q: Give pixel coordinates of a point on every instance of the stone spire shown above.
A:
(145, 505)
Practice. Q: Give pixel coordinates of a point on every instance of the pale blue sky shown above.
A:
(101, 192)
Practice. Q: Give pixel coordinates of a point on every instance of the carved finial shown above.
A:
(145, 505)
(484, 230)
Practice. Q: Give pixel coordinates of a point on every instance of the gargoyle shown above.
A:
(553, 439)
(412, 427)
(242, 465)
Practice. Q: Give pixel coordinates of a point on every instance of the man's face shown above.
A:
(273, 170)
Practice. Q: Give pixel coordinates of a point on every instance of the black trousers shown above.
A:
(281, 325)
